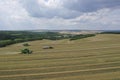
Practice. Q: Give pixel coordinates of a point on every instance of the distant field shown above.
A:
(93, 58)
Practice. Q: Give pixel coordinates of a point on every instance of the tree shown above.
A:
(4, 43)
(26, 51)
(26, 44)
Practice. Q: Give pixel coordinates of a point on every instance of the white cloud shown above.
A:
(102, 19)
(50, 3)
(53, 14)
(11, 14)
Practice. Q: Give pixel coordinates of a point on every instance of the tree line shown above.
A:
(12, 37)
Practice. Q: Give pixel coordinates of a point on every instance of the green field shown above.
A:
(93, 58)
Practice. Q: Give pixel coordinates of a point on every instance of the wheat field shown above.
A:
(93, 58)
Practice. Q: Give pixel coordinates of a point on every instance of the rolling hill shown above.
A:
(93, 58)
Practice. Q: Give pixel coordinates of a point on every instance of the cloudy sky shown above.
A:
(59, 14)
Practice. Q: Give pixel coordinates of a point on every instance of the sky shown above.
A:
(60, 14)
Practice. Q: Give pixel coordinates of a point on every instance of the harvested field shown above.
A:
(93, 58)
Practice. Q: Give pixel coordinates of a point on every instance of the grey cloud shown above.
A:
(36, 10)
(90, 5)
(69, 8)
(30, 14)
